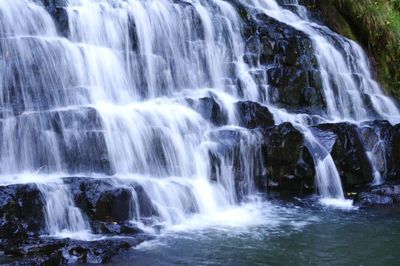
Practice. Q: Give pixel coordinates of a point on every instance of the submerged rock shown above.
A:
(383, 195)
(48, 251)
(114, 228)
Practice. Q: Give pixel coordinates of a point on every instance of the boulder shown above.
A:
(107, 201)
(349, 154)
(253, 115)
(114, 205)
(289, 164)
(21, 211)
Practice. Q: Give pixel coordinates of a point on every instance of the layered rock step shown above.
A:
(109, 211)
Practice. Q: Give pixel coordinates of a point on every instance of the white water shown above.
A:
(62, 217)
(136, 88)
(340, 68)
(343, 93)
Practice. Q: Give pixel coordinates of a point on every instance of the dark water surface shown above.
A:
(288, 236)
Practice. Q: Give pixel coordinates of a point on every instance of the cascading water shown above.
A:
(345, 70)
(117, 95)
(347, 81)
(61, 214)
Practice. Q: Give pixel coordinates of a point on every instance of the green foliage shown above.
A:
(376, 24)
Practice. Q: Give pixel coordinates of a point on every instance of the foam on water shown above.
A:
(344, 204)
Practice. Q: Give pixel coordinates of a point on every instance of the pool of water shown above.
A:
(276, 234)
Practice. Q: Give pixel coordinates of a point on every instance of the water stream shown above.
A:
(109, 98)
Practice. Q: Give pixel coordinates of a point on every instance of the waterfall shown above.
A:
(345, 69)
(114, 93)
(62, 216)
(346, 80)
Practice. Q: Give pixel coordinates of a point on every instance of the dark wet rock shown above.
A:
(60, 16)
(210, 108)
(114, 205)
(108, 201)
(21, 211)
(383, 140)
(378, 138)
(365, 199)
(94, 252)
(54, 3)
(293, 89)
(87, 191)
(288, 59)
(384, 195)
(47, 251)
(98, 197)
(349, 154)
(253, 115)
(288, 161)
(36, 247)
(22, 224)
(113, 228)
(56, 9)
(394, 163)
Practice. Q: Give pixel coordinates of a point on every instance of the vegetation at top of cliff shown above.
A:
(376, 24)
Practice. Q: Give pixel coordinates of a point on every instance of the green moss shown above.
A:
(376, 24)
